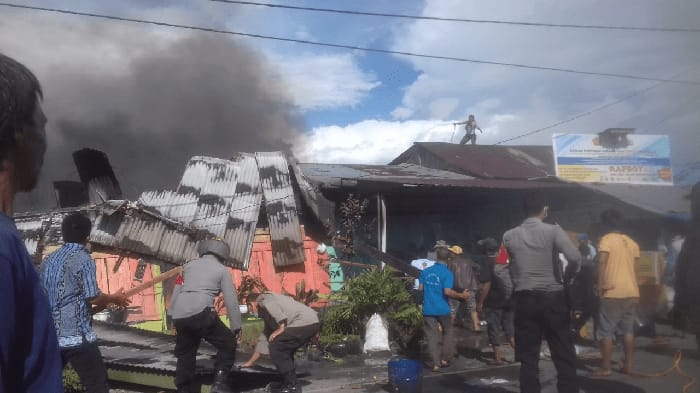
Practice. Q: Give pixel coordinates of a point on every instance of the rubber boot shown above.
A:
(290, 383)
(221, 382)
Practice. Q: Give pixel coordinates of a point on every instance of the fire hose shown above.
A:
(675, 367)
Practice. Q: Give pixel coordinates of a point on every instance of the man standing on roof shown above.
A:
(288, 326)
(541, 307)
(69, 278)
(194, 316)
(29, 357)
(470, 127)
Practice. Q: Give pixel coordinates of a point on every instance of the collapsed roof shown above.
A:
(215, 198)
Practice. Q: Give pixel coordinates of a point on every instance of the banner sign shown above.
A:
(645, 160)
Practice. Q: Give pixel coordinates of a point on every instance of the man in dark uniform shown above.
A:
(194, 316)
(688, 270)
(541, 308)
(288, 326)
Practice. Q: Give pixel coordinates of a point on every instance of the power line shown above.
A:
(359, 48)
(443, 19)
(580, 115)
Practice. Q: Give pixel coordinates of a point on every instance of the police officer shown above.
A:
(288, 326)
(192, 310)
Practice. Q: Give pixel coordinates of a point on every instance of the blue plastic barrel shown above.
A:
(405, 375)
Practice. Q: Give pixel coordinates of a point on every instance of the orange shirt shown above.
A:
(618, 273)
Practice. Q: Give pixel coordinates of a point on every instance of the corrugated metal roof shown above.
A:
(245, 209)
(322, 208)
(283, 217)
(489, 161)
(32, 230)
(215, 198)
(220, 197)
(350, 175)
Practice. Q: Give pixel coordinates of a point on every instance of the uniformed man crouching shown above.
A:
(288, 326)
(192, 310)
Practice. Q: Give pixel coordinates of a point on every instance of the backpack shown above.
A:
(502, 279)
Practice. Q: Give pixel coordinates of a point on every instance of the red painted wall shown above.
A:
(146, 303)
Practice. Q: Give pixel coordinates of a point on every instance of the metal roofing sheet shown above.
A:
(489, 161)
(341, 175)
(283, 217)
(243, 214)
(220, 197)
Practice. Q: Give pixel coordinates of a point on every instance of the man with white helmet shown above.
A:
(194, 316)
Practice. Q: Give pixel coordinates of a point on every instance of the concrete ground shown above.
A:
(470, 372)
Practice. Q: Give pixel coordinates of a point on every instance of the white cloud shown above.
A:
(369, 141)
(638, 53)
(378, 142)
(319, 82)
(402, 113)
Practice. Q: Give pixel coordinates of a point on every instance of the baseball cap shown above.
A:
(488, 244)
(455, 249)
(441, 244)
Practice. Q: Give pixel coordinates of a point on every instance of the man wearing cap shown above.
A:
(436, 282)
(496, 297)
(289, 325)
(194, 316)
(688, 269)
(464, 278)
(541, 308)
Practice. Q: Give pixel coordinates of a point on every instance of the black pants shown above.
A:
(583, 294)
(190, 332)
(537, 315)
(284, 346)
(467, 138)
(88, 364)
(499, 318)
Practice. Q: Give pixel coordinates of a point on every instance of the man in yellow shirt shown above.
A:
(618, 290)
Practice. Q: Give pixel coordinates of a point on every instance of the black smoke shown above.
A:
(198, 95)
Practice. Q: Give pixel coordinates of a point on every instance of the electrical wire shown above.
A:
(353, 47)
(443, 19)
(589, 112)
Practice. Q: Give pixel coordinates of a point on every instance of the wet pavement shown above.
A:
(470, 372)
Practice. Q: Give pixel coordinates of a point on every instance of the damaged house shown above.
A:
(247, 201)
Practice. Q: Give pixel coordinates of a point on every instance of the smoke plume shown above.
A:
(149, 99)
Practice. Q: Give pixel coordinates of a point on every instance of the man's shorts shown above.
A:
(616, 316)
(468, 305)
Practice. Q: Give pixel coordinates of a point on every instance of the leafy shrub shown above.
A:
(375, 291)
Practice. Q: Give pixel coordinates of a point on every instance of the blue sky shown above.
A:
(367, 107)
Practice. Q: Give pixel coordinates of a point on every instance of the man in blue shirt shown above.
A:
(29, 357)
(70, 281)
(436, 283)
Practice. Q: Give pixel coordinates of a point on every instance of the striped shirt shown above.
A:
(69, 278)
